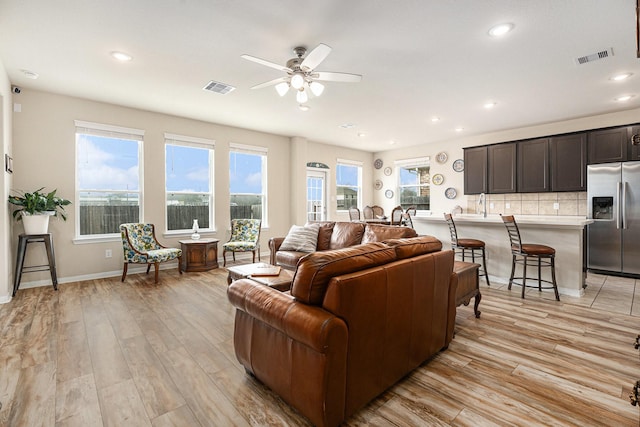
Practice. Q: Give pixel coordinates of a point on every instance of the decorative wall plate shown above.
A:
(437, 179)
(377, 185)
(441, 157)
(377, 163)
(450, 193)
(458, 165)
(388, 171)
(388, 194)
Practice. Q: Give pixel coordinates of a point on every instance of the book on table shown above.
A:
(263, 269)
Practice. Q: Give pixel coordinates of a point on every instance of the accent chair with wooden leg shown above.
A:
(245, 237)
(140, 246)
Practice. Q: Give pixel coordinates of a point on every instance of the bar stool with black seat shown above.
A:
(461, 246)
(541, 255)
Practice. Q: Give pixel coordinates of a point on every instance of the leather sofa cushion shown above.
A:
(288, 259)
(316, 269)
(380, 233)
(410, 247)
(346, 234)
(324, 234)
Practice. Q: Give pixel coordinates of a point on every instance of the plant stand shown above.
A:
(25, 239)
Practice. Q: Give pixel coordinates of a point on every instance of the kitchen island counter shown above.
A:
(566, 234)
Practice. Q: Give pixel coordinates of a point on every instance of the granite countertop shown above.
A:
(525, 220)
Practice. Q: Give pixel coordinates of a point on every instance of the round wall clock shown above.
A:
(388, 194)
(441, 157)
(377, 185)
(437, 179)
(458, 165)
(450, 193)
(377, 163)
(388, 171)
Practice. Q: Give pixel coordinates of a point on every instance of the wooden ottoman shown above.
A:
(468, 284)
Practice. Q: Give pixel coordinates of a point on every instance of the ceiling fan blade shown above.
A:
(328, 76)
(315, 57)
(266, 63)
(270, 83)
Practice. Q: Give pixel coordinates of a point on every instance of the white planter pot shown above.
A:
(36, 224)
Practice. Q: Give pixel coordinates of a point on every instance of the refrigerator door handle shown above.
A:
(624, 204)
(619, 213)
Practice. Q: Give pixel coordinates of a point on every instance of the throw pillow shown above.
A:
(301, 239)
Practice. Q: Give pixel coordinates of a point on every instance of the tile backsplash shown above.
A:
(532, 204)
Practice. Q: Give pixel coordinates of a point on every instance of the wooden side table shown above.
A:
(199, 255)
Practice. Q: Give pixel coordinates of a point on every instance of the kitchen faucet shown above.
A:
(482, 202)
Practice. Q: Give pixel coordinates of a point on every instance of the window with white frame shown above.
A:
(248, 182)
(108, 178)
(413, 183)
(188, 182)
(348, 184)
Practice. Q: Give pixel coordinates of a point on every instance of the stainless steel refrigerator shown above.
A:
(613, 197)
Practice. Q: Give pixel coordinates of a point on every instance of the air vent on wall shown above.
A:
(218, 87)
(602, 54)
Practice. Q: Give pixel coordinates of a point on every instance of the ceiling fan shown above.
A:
(301, 74)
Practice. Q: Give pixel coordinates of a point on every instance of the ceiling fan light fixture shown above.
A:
(297, 80)
(301, 96)
(316, 88)
(303, 107)
(282, 88)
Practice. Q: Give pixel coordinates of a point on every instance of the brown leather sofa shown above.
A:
(355, 321)
(338, 235)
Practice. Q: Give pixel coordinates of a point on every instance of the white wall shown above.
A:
(6, 277)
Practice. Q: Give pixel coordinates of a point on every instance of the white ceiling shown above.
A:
(418, 59)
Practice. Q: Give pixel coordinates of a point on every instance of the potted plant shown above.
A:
(35, 209)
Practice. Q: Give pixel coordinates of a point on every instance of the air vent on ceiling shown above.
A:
(602, 54)
(218, 87)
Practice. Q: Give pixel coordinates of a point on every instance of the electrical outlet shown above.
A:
(556, 206)
(491, 205)
(107, 253)
(507, 205)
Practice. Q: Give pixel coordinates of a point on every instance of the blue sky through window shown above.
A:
(187, 169)
(347, 175)
(245, 173)
(107, 163)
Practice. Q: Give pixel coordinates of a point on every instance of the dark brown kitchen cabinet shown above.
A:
(533, 166)
(502, 168)
(568, 161)
(608, 145)
(634, 134)
(475, 170)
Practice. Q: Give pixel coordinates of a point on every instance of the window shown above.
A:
(188, 182)
(108, 178)
(348, 184)
(248, 182)
(413, 185)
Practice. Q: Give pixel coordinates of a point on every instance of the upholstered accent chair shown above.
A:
(245, 237)
(140, 246)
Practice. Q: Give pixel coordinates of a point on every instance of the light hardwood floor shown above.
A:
(137, 354)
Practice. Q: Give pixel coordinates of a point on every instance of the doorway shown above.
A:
(316, 195)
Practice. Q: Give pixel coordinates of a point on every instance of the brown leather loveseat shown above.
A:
(338, 235)
(355, 321)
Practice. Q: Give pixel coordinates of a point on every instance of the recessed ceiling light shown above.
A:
(489, 105)
(347, 126)
(392, 142)
(459, 129)
(435, 119)
(623, 98)
(30, 74)
(303, 107)
(620, 77)
(361, 134)
(500, 30)
(121, 56)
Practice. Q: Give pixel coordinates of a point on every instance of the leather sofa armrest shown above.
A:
(274, 245)
(309, 325)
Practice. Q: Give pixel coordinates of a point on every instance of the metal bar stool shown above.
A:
(543, 256)
(461, 246)
(25, 239)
